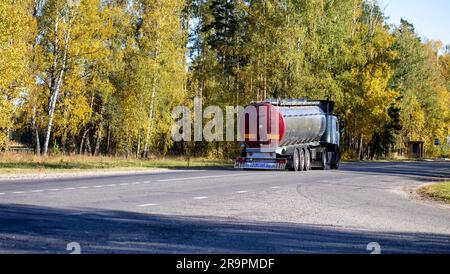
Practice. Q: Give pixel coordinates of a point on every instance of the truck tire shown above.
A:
(325, 165)
(337, 160)
(295, 163)
(244, 152)
(307, 160)
(301, 165)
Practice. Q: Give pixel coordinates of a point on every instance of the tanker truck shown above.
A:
(293, 134)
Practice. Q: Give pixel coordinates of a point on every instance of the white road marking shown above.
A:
(146, 182)
(137, 183)
(124, 184)
(275, 187)
(147, 205)
(100, 186)
(69, 188)
(18, 192)
(37, 191)
(76, 214)
(53, 189)
(205, 177)
(83, 187)
(2, 193)
(200, 198)
(111, 185)
(242, 192)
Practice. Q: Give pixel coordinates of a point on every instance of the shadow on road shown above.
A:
(33, 229)
(421, 171)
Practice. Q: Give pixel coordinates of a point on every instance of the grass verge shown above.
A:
(440, 191)
(20, 163)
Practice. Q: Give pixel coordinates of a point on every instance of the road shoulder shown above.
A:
(415, 194)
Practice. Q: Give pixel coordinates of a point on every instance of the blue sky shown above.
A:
(431, 18)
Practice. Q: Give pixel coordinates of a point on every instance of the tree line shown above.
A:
(101, 77)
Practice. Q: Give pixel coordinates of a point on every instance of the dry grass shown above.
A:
(440, 191)
(22, 162)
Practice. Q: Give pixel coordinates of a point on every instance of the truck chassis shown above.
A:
(302, 157)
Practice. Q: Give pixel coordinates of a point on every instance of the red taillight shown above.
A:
(240, 160)
(281, 161)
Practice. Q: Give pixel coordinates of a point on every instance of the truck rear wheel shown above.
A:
(307, 160)
(295, 164)
(324, 157)
(301, 160)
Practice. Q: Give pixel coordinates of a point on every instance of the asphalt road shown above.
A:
(229, 211)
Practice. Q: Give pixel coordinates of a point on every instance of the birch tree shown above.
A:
(57, 27)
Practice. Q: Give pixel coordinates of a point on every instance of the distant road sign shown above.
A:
(436, 142)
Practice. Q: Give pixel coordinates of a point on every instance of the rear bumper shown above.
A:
(260, 164)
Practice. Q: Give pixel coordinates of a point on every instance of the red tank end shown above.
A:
(271, 121)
